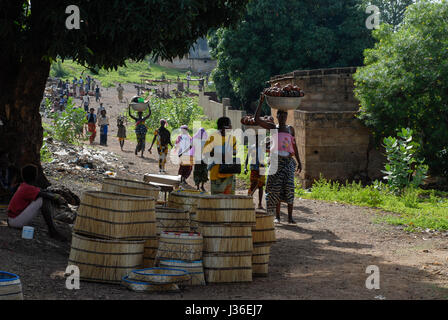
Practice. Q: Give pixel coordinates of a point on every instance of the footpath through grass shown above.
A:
(134, 72)
(415, 208)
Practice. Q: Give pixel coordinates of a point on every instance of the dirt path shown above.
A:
(324, 256)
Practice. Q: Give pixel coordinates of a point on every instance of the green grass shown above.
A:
(134, 72)
(414, 209)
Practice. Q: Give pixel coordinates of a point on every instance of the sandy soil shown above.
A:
(324, 256)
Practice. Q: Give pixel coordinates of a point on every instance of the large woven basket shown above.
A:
(160, 275)
(186, 200)
(284, 103)
(227, 238)
(219, 209)
(171, 219)
(141, 286)
(116, 216)
(136, 188)
(264, 230)
(195, 269)
(10, 286)
(260, 260)
(149, 257)
(180, 246)
(106, 261)
(226, 268)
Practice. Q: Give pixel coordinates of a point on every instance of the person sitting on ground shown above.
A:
(121, 134)
(103, 123)
(163, 138)
(29, 200)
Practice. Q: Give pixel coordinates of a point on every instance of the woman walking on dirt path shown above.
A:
(91, 123)
(121, 134)
(120, 91)
(200, 173)
(280, 184)
(103, 123)
(183, 148)
(221, 183)
(163, 138)
(140, 130)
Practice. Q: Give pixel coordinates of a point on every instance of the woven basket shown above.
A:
(219, 209)
(160, 275)
(10, 286)
(105, 261)
(136, 188)
(186, 201)
(228, 268)
(180, 246)
(141, 286)
(149, 257)
(172, 219)
(260, 260)
(226, 238)
(264, 230)
(116, 216)
(195, 269)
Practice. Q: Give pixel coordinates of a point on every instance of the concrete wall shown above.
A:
(215, 110)
(330, 139)
(196, 65)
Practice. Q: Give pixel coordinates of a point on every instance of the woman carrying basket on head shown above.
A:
(140, 130)
(280, 181)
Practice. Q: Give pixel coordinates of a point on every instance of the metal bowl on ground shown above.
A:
(284, 103)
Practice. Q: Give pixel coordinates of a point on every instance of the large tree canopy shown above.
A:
(280, 36)
(405, 81)
(34, 33)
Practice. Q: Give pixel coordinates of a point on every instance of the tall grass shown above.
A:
(414, 208)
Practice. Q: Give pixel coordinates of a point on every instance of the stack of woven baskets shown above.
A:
(112, 229)
(263, 235)
(226, 223)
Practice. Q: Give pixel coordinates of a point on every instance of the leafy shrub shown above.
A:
(58, 71)
(404, 82)
(68, 125)
(403, 169)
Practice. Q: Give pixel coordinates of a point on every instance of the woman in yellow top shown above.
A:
(221, 183)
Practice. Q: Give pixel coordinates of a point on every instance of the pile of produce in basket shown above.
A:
(250, 120)
(287, 91)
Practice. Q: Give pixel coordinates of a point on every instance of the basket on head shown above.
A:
(10, 286)
(116, 216)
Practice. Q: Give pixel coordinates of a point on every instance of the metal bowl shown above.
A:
(139, 107)
(284, 103)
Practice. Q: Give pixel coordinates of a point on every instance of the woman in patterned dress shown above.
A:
(280, 182)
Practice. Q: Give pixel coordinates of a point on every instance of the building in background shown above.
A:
(198, 60)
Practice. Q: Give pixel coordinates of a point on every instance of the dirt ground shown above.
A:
(323, 256)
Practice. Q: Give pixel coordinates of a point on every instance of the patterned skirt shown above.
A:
(200, 174)
(280, 185)
(223, 186)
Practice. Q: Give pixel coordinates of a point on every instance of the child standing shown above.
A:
(121, 131)
(257, 181)
(103, 123)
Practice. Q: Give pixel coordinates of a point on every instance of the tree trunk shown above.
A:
(21, 133)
